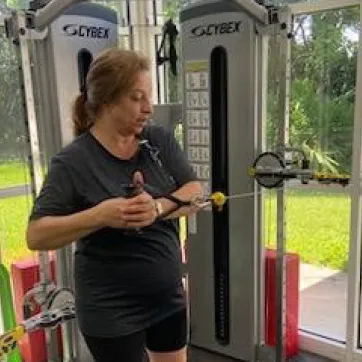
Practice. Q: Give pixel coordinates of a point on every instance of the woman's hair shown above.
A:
(111, 74)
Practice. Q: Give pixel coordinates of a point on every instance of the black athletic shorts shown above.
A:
(170, 334)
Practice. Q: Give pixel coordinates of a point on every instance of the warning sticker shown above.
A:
(196, 66)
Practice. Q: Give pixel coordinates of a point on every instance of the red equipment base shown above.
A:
(292, 301)
(25, 274)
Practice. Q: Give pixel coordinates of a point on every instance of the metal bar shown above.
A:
(154, 7)
(64, 266)
(260, 123)
(51, 11)
(130, 26)
(13, 191)
(143, 35)
(36, 164)
(165, 96)
(2, 19)
(47, 131)
(157, 80)
(284, 99)
(43, 75)
(35, 161)
(323, 347)
(123, 31)
(255, 10)
(322, 5)
(142, 28)
(313, 186)
(354, 260)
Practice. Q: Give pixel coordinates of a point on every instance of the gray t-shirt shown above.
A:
(125, 281)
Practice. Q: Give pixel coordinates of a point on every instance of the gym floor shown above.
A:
(306, 357)
(195, 357)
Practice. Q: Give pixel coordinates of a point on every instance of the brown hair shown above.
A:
(111, 74)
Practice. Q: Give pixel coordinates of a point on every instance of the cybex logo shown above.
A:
(85, 31)
(229, 27)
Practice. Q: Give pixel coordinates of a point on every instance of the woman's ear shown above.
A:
(108, 109)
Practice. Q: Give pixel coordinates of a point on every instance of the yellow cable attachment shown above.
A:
(218, 199)
(8, 341)
(18, 332)
(251, 171)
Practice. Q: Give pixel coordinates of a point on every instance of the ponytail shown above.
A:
(80, 116)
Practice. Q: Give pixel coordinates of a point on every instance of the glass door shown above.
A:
(323, 103)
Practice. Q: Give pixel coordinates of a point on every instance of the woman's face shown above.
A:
(134, 108)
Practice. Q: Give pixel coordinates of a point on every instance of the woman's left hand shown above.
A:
(140, 211)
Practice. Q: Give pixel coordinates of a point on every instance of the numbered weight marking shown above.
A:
(199, 137)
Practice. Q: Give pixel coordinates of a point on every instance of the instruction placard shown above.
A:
(198, 121)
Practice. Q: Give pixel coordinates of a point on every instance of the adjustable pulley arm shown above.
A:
(270, 171)
(60, 307)
(48, 319)
(39, 16)
(43, 17)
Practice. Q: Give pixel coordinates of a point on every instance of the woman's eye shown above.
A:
(136, 98)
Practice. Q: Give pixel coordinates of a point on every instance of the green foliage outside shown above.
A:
(14, 212)
(18, 4)
(12, 125)
(317, 226)
(13, 174)
(324, 59)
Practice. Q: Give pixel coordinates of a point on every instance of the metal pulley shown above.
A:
(49, 319)
(47, 296)
(270, 170)
(60, 308)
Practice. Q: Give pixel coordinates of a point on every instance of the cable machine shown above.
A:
(224, 61)
(55, 39)
(224, 68)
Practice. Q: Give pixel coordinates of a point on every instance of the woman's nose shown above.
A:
(147, 106)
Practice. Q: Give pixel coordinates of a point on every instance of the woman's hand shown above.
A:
(136, 212)
(140, 211)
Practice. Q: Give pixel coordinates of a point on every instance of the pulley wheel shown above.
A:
(60, 298)
(264, 166)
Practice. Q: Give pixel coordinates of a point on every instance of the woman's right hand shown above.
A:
(136, 212)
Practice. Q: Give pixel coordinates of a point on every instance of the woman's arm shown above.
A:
(187, 192)
(53, 232)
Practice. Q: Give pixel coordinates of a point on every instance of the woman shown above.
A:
(118, 190)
